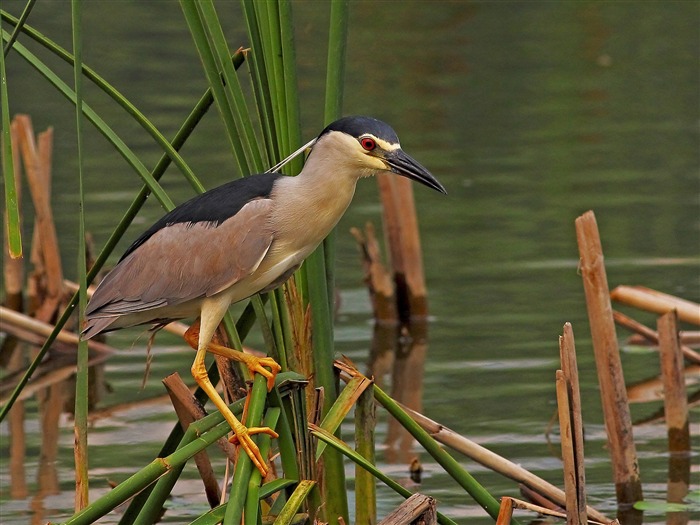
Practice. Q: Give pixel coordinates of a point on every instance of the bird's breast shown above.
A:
(305, 212)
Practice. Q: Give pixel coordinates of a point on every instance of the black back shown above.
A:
(214, 206)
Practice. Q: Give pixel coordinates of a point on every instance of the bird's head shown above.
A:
(368, 146)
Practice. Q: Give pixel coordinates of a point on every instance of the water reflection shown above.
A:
(53, 390)
(397, 356)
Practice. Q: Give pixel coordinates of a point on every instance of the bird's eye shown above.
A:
(368, 144)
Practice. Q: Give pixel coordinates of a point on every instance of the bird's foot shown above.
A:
(242, 437)
(257, 365)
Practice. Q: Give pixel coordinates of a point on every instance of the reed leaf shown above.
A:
(451, 465)
(81, 374)
(335, 70)
(342, 407)
(98, 122)
(117, 96)
(14, 235)
(333, 107)
(18, 26)
(260, 82)
(208, 430)
(197, 28)
(232, 87)
(293, 504)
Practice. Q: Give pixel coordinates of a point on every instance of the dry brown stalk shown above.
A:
(618, 421)
(567, 450)
(403, 238)
(188, 410)
(505, 513)
(16, 323)
(377, 278)
(524, 505)
(650, 335)
(576, 494)
(418, 509)
(495, 462)
(652, 389)
(675, 398)
(657, 302)
(47, 276)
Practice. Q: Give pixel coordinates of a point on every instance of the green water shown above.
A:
(530, 113)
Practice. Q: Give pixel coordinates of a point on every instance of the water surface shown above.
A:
(529, 113)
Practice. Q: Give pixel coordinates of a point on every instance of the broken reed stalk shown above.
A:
(506, 512)
(403, 238)
(188, 410)
(47, 277)
(377, 277)
(616, 412)
(418, 509)
(675, 398)
(571, 423)
(657, 302)
(567, 450)
(524, 505)
(493, 461)
(652, 336)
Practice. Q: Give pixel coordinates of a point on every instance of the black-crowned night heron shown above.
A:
(244, 237)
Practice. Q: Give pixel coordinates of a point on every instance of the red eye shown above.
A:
(368, 143)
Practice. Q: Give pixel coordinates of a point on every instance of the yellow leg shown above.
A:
(254, 364)
(206, 330)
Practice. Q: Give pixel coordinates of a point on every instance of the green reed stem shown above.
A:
(210, 428)
(342, 447)
(18, 26)
(14, 235)
(81, 375)
(115, 95)
(451, 465)
(244, 465)
(98, 122)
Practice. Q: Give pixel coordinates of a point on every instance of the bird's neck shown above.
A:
(312, 203)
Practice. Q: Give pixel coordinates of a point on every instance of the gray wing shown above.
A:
(181, 262)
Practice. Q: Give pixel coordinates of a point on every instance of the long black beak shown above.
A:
(403, 164)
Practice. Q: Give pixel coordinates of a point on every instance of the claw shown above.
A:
(242, 437)
(253, 431)
(258, 364)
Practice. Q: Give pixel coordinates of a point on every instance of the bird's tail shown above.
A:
(96, 325)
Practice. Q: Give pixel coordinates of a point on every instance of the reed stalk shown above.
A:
(180, 138)
(244, 465)
(451, 466)
(81, 379)
(206, 431)
(12, 216)
(616, 412)
(115, 95)
(127, 153)
(341, 447)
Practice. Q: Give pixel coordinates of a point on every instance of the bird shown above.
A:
(244, 237)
